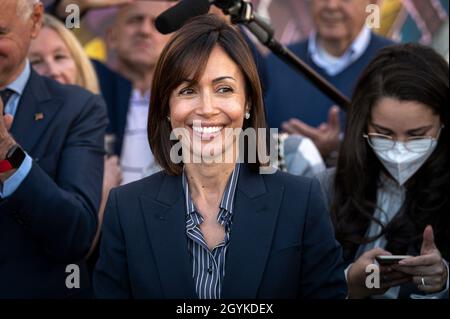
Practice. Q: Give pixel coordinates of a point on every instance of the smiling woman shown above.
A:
(56, 53)
(210, 109)
(214, 83)
(209, 229)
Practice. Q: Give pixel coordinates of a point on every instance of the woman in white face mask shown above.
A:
(390, 191)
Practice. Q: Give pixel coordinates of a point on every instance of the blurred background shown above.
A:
(424, 21)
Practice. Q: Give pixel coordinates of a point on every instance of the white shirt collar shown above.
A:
(18, 85)
(335, 65)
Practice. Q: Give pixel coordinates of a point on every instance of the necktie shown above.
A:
(5, 95)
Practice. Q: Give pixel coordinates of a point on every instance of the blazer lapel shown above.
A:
(254, 220)
(165, 222)
(34, 113)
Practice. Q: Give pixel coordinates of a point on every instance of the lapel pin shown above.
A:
(38, 116)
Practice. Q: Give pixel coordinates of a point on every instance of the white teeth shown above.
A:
(197, 129)
(207, 130)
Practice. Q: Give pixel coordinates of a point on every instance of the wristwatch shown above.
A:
(13, 160)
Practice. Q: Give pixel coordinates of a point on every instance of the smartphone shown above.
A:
(390, 260)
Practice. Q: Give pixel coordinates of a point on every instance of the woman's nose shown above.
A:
(206, 106)
(51, 68)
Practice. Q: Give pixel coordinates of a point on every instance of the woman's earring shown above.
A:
(168, 118)
(247, 115)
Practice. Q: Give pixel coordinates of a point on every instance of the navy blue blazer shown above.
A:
(51, 219)
(116, 91)
(282, 242)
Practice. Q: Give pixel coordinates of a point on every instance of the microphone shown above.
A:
(241, 11)
(174, 18)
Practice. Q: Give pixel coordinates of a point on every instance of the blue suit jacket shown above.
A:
(50, 220)
(282, 243)
(116, 90)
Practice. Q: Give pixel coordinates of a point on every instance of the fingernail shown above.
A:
(402, 262)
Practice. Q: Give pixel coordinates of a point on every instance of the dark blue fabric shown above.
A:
(290, 95)
(116, 90)
(282, 243)
(259, 59)
(51, 219)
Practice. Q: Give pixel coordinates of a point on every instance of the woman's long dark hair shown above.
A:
(409, 72)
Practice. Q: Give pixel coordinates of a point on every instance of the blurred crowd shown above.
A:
(74, 128)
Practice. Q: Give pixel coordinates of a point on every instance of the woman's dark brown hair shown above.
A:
(185, 57)
(408, 72)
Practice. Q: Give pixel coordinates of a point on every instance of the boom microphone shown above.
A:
(174, 18)
(241, 11)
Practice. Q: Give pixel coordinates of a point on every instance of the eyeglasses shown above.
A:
(416, 144)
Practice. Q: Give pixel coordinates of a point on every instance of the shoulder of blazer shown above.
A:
(148, 186)
(287, 180)
(297, 190)
(72, 95)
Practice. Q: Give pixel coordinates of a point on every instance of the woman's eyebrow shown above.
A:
(422, 128)
(377, 126)
(223, 78)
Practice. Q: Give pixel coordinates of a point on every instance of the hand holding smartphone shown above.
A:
(390, 259)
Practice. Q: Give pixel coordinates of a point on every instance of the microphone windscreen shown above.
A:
(174, 18)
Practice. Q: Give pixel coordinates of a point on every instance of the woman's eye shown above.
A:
(186, 91)
(417, 134)
(225, 89)
(60, 57)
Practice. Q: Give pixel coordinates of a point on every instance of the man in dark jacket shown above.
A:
(51, 169)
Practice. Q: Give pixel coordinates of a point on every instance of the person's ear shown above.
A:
(36, 17)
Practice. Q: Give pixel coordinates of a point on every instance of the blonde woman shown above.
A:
(56, 53)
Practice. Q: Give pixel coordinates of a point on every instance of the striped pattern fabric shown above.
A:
(208, 267)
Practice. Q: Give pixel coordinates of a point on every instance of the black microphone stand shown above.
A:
(241, 11)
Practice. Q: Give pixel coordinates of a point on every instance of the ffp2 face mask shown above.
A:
(402, 163)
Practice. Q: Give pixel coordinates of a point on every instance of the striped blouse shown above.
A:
(208, 267)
